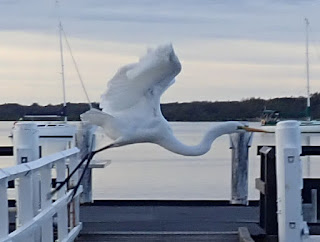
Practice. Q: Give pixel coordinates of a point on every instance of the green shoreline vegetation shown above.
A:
(247, 109)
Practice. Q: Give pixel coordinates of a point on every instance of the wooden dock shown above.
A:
(167, 221)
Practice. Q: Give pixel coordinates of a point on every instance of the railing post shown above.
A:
(39, 227)
(74, 205)
(289, 182)
(26, 149)
(240, 143)
(62, 217)
(46, 227)
(4, 218)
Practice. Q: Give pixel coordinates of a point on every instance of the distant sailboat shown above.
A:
(309, 121)
(271, 117)
(49, 126)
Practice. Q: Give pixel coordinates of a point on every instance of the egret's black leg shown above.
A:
(75, 189)
(62, 183)
(88, 157)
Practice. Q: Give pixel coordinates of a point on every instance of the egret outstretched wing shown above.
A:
(144, 81)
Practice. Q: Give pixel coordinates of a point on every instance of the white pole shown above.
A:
(26, 149)
(307, 69)
(289, 181)
(62, 71)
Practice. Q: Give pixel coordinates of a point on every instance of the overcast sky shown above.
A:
(229, 49)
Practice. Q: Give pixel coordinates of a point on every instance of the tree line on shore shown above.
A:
(248, 109)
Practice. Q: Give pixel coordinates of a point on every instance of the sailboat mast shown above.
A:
(308, 113)
(62, 72)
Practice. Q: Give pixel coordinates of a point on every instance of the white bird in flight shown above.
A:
(131, 106)
(131, 110)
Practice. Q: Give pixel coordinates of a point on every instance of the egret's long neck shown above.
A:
(173, 144)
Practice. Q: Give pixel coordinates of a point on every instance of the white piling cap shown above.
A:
(288, 124)
(26, 126)
(289, 133)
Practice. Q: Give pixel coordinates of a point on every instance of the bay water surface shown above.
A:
(147, 171)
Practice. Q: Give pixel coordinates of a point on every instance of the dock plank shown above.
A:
(156, 238)
(164, 222)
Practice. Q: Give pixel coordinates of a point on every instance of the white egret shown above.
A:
(131, 109)
(131, 106)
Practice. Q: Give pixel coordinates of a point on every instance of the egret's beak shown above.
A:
(248, 129)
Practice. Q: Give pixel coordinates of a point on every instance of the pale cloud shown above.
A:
(229, 50)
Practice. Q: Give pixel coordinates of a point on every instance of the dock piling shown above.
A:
(240, 143)
(289, 182)
(26, 149)
(85, 141)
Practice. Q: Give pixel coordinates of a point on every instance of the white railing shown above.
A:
(38, 225)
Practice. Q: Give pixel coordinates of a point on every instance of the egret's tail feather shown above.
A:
(111, 125)
(99, 118)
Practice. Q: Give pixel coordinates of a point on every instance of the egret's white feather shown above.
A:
(110, 124)
(144, 81)
(131, 106)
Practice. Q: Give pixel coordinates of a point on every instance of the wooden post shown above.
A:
(268, 190)
(240, 143)
(85, 141)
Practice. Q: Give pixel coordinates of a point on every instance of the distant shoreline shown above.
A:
(245, 110)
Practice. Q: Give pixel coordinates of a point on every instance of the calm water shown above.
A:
(147, 171)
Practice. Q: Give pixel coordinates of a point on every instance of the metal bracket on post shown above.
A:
(22, 155)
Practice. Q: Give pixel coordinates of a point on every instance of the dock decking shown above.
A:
(166, 221)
